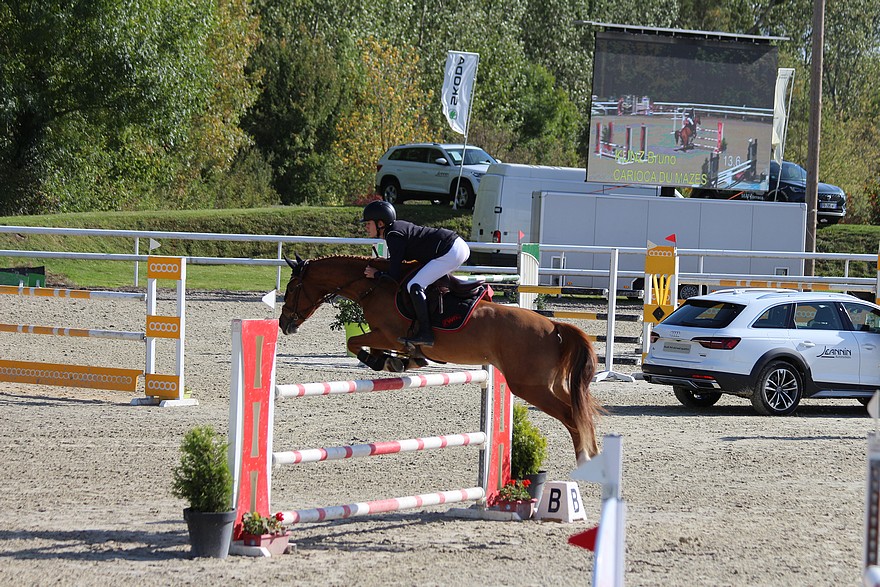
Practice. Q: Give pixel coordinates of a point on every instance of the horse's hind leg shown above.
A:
(584, 450)
(545, 400)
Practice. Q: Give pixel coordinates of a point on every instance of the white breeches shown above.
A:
(437, 268)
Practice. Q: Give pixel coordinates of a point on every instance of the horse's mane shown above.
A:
(378, 262)
(353, 257)
(350, 260)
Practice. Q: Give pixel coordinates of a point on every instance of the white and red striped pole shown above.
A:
(335, 453)
(872, 507)
(380, 506)
(366, 385)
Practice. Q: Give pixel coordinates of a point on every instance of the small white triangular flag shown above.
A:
(154, 244)
(874, 405)
(269, 298)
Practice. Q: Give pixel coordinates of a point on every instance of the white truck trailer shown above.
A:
(631, 221)
(503, 207)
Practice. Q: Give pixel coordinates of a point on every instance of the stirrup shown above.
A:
(417, 340)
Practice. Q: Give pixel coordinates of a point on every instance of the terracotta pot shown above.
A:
(274, 543)
(524, 508)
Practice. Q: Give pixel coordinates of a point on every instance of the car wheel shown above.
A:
(391, 191)
(695, 399)
(464, 196)
(778, 390)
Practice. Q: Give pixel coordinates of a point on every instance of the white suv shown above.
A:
(430, 171)
(773, 346)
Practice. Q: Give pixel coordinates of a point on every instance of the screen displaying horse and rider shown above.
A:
(681, 111)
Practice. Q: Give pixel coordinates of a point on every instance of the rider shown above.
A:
(440, 251)
(688, 120)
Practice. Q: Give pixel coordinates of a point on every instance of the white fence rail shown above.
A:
(278, 239)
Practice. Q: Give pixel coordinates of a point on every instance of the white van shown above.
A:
(503, 205)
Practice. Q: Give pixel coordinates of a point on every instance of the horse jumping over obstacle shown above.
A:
(688, 132)
(549, 364)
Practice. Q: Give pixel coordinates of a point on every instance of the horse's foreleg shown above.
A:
(359, 343)
(378, 358)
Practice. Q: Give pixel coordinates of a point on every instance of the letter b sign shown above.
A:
(561, 501)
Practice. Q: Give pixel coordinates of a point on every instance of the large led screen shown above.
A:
(681, 111)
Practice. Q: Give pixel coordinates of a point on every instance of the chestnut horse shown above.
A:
(549, 364)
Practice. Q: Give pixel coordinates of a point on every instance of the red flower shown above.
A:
(526, 482)
(279, 516)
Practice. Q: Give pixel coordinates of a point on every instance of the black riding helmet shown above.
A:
(379, 210)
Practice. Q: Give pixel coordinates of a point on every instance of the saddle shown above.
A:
(450, 301)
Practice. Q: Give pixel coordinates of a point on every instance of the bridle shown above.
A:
(297, 289)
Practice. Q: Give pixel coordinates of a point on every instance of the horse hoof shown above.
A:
(394, 365)
(415, 363)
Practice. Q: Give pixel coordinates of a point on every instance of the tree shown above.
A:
(549, 128)
(293, 122)
(216, 138)
(389, 109)
(101, 96)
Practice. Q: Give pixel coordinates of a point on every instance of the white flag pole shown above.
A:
(464, 150)
(467, 128)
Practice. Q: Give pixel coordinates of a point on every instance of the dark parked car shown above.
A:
(791, 186)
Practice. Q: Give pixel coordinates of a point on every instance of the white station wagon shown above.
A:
(774, 347)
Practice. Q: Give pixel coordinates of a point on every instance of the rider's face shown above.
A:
(372, 229)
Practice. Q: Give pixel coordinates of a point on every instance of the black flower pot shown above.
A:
(537, 484)
(210, 533)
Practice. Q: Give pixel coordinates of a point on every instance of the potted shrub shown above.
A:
(528, 451)
(202, 478)
(349, 317)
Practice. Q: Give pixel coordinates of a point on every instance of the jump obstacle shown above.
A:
(164, 390)
(624, 153)
(745, 171)
(713, 144)
(252, 412)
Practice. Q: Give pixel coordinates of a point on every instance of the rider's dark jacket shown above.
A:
(411, 242)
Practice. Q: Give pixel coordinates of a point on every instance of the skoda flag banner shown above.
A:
(458, 88)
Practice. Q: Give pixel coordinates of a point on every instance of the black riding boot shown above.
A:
(425, 336)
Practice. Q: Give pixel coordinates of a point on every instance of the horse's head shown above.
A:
(298, 303)
(314, 282)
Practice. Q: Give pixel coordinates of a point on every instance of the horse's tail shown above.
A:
(578, 367)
